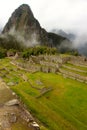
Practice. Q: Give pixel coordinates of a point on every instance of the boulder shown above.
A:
(34, 126)
(12, 102)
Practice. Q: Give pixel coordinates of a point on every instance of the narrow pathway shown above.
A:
(12, 114)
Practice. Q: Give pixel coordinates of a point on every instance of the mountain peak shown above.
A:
(21, 18)
(23, 25)
(24, 7)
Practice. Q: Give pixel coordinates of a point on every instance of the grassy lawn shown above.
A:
(63, 108)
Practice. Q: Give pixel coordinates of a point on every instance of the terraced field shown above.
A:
(76, 72)
(58, 102)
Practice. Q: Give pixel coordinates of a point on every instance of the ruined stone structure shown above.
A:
(79, 61)
(54, 64)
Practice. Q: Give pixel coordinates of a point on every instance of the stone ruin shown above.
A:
(79, 60)
(53, 64)
(10, 54)
(44, 63)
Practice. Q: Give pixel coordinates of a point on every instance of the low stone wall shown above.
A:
(56, 59)
(27, 67)
(68, 76)
(35, 68)
(49, 69)
(76, 76)
(51, 64)
(44, 69)
(78, 60)
(71, 68)
(65, 59)
(44, 91)
(51, 58)
(77, 63)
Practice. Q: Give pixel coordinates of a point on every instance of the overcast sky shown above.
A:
(69, 15)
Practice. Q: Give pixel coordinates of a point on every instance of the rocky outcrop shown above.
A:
(23, 24)
(22, 19)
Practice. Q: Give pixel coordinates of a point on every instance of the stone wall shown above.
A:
(74, 75)
(75, 69)
(78, 60)
(51, 64)
(49, 69)
(56, 58)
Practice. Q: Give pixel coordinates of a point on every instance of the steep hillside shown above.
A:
(26, 28)
(62, 33)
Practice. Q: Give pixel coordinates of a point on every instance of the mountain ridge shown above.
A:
(70, 36)
(26, 27)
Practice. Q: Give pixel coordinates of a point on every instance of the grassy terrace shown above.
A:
(77, 67)
(74, 71)
(63, 108)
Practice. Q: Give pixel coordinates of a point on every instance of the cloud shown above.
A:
(69, 15)
(32, 41)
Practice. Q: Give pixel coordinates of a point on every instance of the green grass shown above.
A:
(63, 108)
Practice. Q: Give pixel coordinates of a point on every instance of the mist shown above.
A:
(68, 15)
(80, 43)
(31, 41)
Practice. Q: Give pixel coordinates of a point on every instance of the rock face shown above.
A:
(22, 19)
(62, 33)
(23, 24)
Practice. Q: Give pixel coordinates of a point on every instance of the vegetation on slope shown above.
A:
(62, 108)
(40, 50)
(10, 42)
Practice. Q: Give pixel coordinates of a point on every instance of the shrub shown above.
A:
(38, 51)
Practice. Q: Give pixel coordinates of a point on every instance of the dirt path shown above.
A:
(12, 115)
